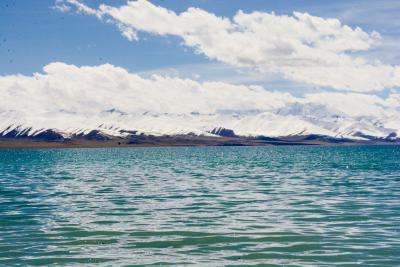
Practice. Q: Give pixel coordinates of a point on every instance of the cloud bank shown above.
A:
(75, 99)
(301, 47)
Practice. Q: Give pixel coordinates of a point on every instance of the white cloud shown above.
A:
(61, 6)
(72, 98)
(352, 104)
(301, 47)
(93, 89)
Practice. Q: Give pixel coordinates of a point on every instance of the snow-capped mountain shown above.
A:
(274, 123)
(67, 101)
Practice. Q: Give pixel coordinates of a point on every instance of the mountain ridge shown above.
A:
(285, 122)
(218, 137)
(67, 101)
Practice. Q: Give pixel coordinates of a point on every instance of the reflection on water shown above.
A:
(219, 206)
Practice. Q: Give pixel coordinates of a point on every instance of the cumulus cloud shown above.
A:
(90, 90)
(61, 6)
(301, 47)
(72, 98)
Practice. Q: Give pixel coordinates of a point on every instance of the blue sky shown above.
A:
(258, 67)
(33, 34)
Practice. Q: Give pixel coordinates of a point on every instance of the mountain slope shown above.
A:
(104, 101)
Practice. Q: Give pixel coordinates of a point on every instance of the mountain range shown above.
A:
(105, 102)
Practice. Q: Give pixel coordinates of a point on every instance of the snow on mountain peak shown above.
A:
(73, 100)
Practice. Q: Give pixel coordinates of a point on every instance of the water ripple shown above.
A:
(292, 206)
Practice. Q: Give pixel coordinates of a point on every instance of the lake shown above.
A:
(202, 206)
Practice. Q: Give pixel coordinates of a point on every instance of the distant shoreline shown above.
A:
(183, 141)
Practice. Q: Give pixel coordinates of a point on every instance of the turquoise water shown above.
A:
(283, 206)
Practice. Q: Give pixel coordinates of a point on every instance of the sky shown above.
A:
(258, 67)
(36, 33)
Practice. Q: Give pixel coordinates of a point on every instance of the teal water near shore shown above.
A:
(212, 206)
